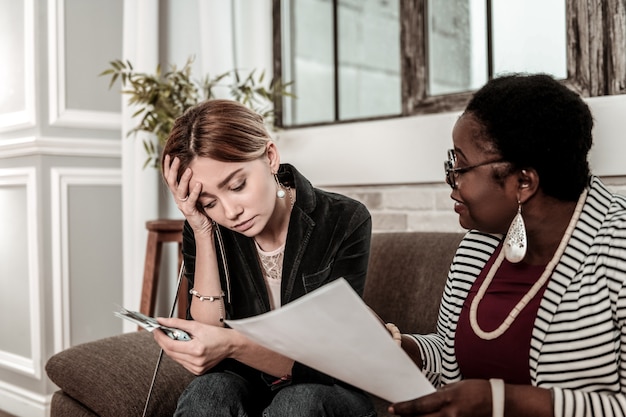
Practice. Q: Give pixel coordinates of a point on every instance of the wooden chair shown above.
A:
(159, 232)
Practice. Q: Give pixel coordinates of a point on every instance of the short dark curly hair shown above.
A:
(534, 121)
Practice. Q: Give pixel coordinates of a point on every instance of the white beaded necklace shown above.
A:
(533, 290)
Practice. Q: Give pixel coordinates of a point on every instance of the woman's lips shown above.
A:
(459, 207)
(242, 227)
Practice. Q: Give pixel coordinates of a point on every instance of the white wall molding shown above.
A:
(30, 366)
(25, 118)
(31, 145)
(23, 403)
(59, 114)
(62, 179)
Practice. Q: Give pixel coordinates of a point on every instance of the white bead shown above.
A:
(280, 193)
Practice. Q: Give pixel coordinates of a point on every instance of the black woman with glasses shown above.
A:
(533, 316)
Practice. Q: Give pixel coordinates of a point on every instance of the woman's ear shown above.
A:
(273, 156)
(528, 180)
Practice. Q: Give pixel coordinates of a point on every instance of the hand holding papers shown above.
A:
(332, 330)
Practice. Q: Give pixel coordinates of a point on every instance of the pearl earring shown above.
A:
(280, 193)
(515, 242)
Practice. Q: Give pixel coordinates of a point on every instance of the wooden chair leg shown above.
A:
(160, 231)
(151, 274)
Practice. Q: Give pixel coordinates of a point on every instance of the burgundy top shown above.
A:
(507, 356)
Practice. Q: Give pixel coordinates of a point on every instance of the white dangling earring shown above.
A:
(515, 242)
(280, 193)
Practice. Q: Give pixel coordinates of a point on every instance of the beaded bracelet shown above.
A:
(210, 298)
(205, 297)
(395, 333)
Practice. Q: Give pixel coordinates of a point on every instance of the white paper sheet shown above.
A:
(332, 330)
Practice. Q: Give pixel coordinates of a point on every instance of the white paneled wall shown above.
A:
(20, 295)
(17, 81)
(60, 188)
(95, 281)
(80, 45)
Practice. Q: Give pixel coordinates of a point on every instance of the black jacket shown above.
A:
(328, 238)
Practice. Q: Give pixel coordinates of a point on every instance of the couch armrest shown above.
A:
(112, 376)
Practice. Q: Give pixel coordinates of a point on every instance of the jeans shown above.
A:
(228, 394)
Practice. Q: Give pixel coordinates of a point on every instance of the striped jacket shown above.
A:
(578, 343)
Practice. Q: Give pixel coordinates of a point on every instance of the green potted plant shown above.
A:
(163, 96)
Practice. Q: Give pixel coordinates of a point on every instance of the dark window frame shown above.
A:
(594, 67)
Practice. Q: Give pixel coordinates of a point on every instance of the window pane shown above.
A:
(457, 46)
(369, 58)
(529, 36)
(307, 37)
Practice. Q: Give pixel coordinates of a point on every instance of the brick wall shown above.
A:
(421, 207)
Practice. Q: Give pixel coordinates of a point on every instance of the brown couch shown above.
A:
(110, 377)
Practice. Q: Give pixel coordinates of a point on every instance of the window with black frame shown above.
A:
(341, 55)
(355, 60)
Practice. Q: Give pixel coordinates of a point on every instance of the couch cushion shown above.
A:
(112, 376)
(406, 275)
(65, 406)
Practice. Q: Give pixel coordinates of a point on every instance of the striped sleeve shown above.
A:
(437, 349)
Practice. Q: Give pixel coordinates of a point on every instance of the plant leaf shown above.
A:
(163, 96)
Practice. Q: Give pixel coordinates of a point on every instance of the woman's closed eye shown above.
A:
(209, 205)
(238, 186)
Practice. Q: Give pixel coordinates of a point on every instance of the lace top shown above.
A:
(272, 267)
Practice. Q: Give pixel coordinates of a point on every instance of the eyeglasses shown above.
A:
(453, 173)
